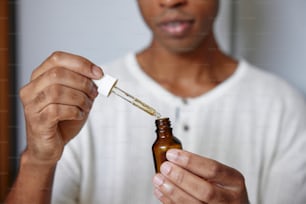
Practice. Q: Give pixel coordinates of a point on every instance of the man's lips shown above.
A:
(176, 27)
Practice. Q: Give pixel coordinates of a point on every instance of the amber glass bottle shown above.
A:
(164, 141)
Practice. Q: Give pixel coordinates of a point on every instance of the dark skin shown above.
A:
(188, 59)
(183, 57)
(56, 105)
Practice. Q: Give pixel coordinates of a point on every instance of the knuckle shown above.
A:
(34, 73)
(241, 182)
(52, 112)
(22, 93)
(84, 62)
(55, 92)
(86, 84)
(56, 56)
(208, 194)
(55, 73)
(214, 169)
(179, 177)
(73, 113)
(186, 160)
(83, 101)
(27, 110)
(41, 97)
(84, 65)
(76, 113)
(25, 94)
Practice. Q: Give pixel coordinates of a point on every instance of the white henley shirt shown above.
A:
(253, 122)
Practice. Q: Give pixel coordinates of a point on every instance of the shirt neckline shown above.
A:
(154, 87)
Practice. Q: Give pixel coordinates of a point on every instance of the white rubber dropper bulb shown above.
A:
(106, 84)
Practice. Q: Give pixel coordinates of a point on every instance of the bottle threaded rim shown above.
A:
(162, 124)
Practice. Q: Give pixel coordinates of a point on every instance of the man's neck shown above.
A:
(187, 74)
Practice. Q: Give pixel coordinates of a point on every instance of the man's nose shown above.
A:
(172, 3)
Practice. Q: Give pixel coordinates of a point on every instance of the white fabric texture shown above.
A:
(253, 122)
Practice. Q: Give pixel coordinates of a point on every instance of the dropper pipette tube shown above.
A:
(107, 85)
(135, 101)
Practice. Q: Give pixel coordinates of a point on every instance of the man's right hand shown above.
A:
(56, 104)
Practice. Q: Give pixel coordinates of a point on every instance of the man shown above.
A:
(243, 130)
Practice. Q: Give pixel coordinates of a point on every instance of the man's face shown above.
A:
(179, 25)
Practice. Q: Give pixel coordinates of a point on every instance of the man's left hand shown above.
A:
(190, 178)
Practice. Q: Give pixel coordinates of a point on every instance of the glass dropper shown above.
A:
(107, 85)
(135, 101)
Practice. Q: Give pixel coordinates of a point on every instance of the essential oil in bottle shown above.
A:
(165, 140)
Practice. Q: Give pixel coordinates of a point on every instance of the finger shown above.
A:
(209, 169)
(60, 112)
(60, 76)
(68, 130)
(195, 186)
(51, 115)
(161, 197)
(73, 62)
(58, 94)
(45, 123)
(168, 192)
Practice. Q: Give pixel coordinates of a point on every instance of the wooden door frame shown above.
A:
(4, 99)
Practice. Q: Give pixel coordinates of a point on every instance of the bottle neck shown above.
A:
(163, 128)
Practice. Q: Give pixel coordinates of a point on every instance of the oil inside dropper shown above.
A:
(135, 101)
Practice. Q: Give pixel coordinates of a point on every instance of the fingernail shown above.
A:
(94, 92)
(167, 187)
(165, 168)
(97, 71)
(157, 193)
(172, 155)
(158, 180)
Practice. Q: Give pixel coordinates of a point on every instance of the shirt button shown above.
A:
(186, 127)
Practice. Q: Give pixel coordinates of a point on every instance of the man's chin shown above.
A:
(181, 49)
(180, 46)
